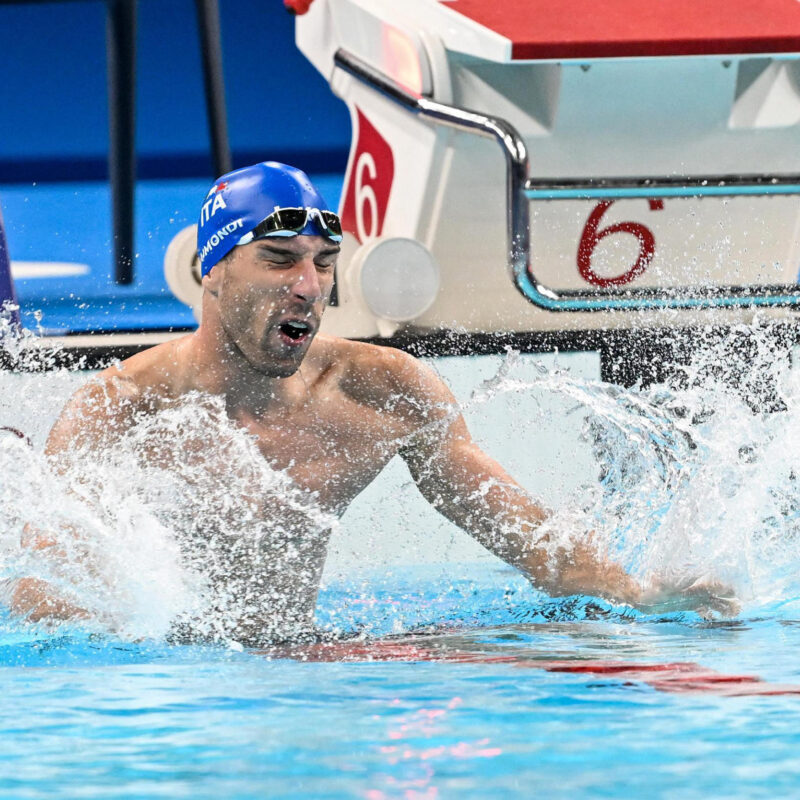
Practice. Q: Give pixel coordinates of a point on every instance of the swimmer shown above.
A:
(328, 411)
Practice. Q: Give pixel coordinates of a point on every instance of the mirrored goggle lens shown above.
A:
(332, 225)
(293, 220)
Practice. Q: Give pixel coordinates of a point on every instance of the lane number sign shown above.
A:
(673, 242)
(369, 183)
(593, 234)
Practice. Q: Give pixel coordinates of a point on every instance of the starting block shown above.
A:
(515, 161)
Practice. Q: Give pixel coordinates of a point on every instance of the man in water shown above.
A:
(329, 412)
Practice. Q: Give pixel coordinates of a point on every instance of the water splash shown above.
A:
(694, 479)
(181, 530)
(698, 477)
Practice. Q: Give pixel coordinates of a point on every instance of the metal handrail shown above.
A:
(666, 186)
(518, 218)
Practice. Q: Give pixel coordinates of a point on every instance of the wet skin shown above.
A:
(332, 413)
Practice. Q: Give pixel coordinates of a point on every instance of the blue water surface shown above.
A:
(87, 715)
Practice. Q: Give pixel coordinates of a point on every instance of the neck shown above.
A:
(218, 367)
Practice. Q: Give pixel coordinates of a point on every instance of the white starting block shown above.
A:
(512, 161)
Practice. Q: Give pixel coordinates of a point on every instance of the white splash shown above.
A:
(693, 481)
(168, 533)
(698, 478)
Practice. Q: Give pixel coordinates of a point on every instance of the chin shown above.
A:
(272, 362)
(280, 370)
(277, 368)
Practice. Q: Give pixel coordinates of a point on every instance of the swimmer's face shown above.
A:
(271, 294)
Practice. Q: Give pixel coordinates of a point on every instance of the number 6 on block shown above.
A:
(365, 197)
(592, 234)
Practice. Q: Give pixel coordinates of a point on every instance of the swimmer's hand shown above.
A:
(37, 601)
(704, 595)
(581, 570)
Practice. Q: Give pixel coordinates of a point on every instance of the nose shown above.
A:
(307, 284)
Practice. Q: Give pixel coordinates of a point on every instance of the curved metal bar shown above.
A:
(518, 220)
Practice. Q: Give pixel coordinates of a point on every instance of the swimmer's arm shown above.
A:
(472, 490)
(34, 598)
(36, 601)
(477, 494)
(88, 421)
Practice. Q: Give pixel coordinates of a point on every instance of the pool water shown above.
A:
(448, 676)
(94, 717)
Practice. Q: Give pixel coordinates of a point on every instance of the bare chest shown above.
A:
(333, 449)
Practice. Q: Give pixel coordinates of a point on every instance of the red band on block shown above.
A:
(629, 28)
(298, 7)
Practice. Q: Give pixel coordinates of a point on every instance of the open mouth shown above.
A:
(295, 330)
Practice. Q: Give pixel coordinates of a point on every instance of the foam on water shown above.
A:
(695, 481)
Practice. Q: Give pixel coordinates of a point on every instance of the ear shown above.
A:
(213, 279)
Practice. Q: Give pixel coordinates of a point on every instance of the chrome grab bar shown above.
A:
(671, 186)
(519, 188)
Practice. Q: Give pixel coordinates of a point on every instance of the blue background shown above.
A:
(54, 194)
(54, 105)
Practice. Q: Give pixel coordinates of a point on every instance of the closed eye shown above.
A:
(285, 258)
(276, 259)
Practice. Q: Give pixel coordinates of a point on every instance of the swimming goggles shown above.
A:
(291, 221)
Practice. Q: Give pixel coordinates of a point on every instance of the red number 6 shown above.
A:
(591, 236)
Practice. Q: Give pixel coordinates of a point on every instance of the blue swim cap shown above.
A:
(238, 201)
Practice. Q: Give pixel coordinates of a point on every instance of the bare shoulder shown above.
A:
(156, 373)
(109, 402)
(390, 379)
